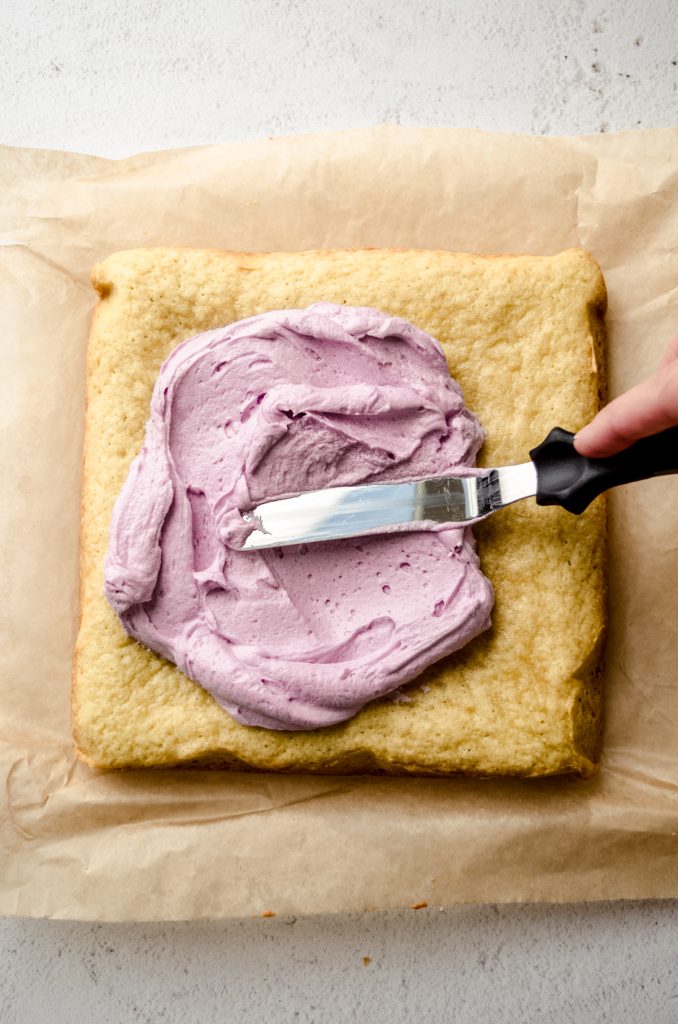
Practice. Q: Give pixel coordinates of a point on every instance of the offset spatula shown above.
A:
(556, 475)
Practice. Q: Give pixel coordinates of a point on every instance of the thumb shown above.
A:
(646, 409)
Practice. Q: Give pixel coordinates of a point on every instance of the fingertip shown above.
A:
(581, 441)
(576, 441)
(592, 447)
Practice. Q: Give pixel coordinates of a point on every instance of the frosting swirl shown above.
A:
(304, 636)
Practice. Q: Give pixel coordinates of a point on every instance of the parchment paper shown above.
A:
(197, 844)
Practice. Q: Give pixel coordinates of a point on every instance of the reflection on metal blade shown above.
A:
(353, 511)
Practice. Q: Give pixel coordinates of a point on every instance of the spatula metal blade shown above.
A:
(338, 512)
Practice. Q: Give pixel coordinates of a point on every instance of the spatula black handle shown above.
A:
(564, 477)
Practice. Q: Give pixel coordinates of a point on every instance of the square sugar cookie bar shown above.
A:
(523, 336)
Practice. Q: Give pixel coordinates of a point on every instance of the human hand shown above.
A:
(645, 409)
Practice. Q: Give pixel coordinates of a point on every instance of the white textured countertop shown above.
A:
(116, 76)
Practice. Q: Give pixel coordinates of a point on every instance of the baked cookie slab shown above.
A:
(523, 338)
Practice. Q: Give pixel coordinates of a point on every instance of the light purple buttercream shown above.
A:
(304, 636)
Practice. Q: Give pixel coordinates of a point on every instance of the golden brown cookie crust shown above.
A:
(524, 337)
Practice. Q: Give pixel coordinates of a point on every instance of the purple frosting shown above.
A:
(304, 636)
